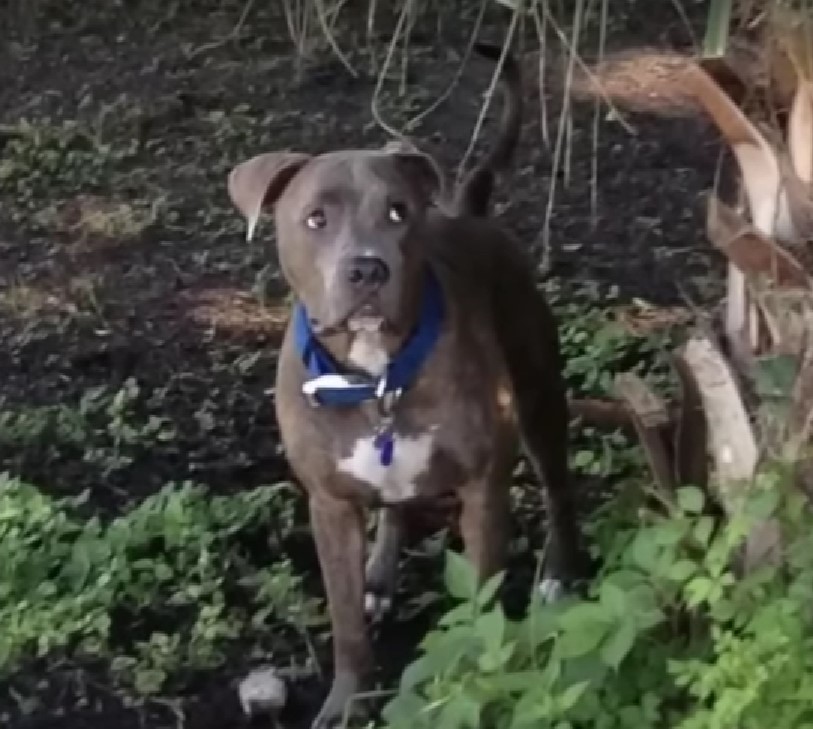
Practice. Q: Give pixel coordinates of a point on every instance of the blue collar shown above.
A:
(329, 386)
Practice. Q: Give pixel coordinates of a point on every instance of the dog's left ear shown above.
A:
(423, 172)
(259, 181)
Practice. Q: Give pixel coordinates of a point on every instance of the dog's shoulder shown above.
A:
(476, 241)
(486, 264)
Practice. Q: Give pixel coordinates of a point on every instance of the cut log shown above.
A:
(691, 434)
(604, 414)
(731, 438)
(650, 417)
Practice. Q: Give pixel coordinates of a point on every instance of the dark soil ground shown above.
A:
(121, 257)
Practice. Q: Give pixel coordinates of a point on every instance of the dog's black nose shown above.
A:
(367, 272)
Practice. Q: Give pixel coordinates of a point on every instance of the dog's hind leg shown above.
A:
(543, 417)
(544, 423)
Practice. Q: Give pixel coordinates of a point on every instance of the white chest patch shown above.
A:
(367, 353)
(396, 482)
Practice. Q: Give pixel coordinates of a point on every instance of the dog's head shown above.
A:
(348, 229)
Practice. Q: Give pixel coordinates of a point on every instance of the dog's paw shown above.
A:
(551, 589)
(262, 692)
(377, 605)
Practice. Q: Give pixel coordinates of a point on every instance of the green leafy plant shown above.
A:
(76, 586)
(667, 636)
(41, 157)
(108, 426)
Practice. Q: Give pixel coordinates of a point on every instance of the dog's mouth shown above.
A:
(366, 324)
(366, 319)
(363, 316)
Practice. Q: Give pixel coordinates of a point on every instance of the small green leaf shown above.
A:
(460, 711)
(763, 505)
(490, 627)
(460, 577)
(697, 590)
(613, 599)
(682, 570)
(775, 375)
(403, 709)
(459, 615)
(575, 644)
(489, 590)
(570, 696)
(583, 626)
(645, 551)
(618, 644)
(670, 533)
(690, 499)
(703, 530)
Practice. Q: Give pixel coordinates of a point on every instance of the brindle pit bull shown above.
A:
(418, 356)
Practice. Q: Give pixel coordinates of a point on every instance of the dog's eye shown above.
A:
(397, 212)
(316, 220)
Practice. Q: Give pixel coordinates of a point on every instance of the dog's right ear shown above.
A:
(259, 181)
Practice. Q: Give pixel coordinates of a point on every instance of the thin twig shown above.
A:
(410, 4)
(335, 12)
(376, 112)
(447, 92)
(234, 34)
(372, 9)
(602, 41)
(540, 22)
(566, 165)
(560, 135)
(331, 39)
(681, 11)
(591, 76)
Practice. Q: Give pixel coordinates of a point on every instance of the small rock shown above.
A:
(262, 692)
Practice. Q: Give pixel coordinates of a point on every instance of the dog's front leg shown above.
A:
(484, 525)
(382, 566)
(338, 528)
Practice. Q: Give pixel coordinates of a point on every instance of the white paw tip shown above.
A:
(551, 589)
(262, 691)
(376, 605)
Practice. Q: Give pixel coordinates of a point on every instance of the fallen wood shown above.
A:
(650, 417)
(691, 432)
(603, 414)
(731, 439)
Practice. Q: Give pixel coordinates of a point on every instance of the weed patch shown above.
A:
(667, 636)
(164, 588)
(43, 158)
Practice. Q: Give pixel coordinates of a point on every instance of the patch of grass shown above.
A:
(598, 343)
(91, 217)
(107, 427)
(26, 302)
(43, 158)
(163, 589)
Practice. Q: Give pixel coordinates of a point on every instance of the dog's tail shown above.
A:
(474, 194)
